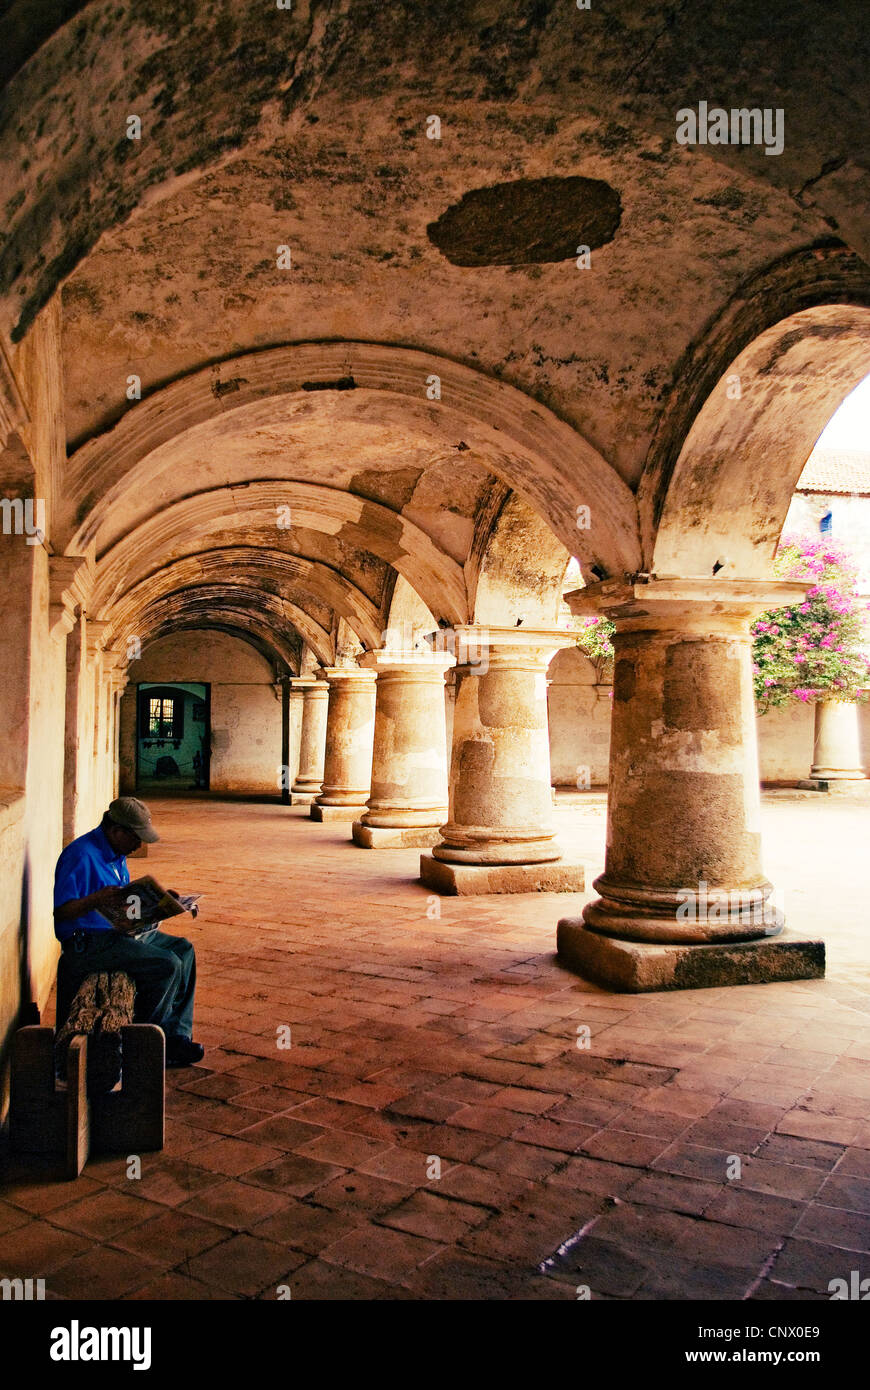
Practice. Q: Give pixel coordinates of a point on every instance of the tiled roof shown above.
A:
(826, 471)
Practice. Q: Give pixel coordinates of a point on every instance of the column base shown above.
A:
(395, 836)
(302, 798)
(636, 967)
(331, 813)
(838, 774)
(465, 879)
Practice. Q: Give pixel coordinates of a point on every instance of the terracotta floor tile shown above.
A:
(360, 1192)
(448, 1143)
(12, 1217)
(761, 1211)
(244, 1265)
(403, 1165)
(553, 1134)
(221, 1086)
(674, 1193)
(286, 1133)
(104, 1213)
(308, 1228)
(173, 1237)
(103, 1273)
(481, 1186)
(811, 1264)
(434, 1216)
(42, 1197)
(176, 1288)
(170, 1181)
(37, 1246)
(848, 1229)
(381, 1253)
(322, 1282)
(521, 1160)
(234, 1156)
(341, 1147)
(235, 1204)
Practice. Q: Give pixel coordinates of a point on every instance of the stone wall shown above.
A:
(580, 729)
(245, 714)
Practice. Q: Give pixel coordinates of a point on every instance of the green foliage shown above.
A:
(594, 638)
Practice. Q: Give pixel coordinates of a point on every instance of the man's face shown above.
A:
(122, 840)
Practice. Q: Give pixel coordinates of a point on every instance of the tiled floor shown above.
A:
(435, 1132)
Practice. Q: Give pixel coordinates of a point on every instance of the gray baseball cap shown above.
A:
(134, 815)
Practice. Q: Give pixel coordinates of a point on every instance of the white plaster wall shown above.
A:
(580, 729)
(245, 713)
(31, 800)
(785, 743)
(579, 712)
(43, 818)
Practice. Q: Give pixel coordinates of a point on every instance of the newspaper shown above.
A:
(144, 903)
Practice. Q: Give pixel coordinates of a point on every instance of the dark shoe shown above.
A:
(183, 1052)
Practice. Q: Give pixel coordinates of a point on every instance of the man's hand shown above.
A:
(77, 907)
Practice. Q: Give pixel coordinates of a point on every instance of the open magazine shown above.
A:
(145, 903)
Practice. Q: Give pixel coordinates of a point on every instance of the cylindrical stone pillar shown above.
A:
(836, 743)
(312, 739)
(408, 800)
(350, 728)
(294, 729)
(683, 861)
(499, 836)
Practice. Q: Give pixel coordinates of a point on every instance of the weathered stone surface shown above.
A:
(384, 837)
(462, 879)
(640, 967)
(320, 812)
(527, 221)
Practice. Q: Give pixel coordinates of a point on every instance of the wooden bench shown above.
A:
(91, 1113)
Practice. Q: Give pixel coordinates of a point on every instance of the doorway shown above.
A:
(173, 736)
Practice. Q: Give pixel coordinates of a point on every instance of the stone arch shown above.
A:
(760, 389)
(519, 571)
(281, 655)
(257, 569)
(515, 437)
(408, 615)
(374, 527)
(201, 604)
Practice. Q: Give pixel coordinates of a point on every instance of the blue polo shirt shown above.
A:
(87, 864)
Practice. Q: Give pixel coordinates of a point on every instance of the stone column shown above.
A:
(350, 728)
(312, 739)
(116, 665)
(294, 729)
(499, 836)
(684, 900)
(408, 799)
(836, 743)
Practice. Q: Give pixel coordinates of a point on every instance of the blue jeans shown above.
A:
(162, 967)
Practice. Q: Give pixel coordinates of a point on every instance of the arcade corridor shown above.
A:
(417, 1038)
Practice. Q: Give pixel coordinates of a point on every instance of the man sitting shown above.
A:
(92, 872)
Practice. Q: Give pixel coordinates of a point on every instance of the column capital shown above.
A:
(335, 674)
(414, 662)
(115, 669)
(694, 604)
(507, 646)
(70, 581)
(96, 633)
